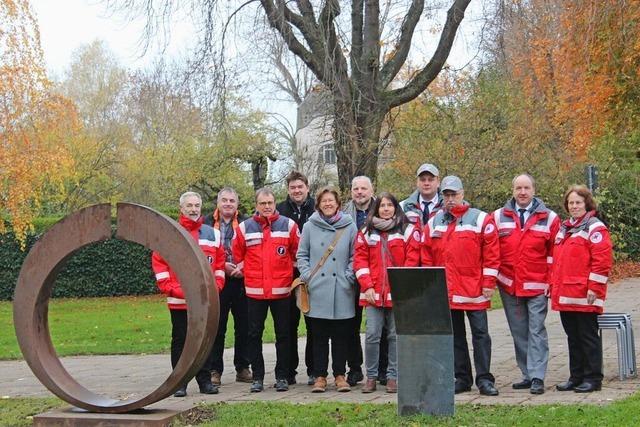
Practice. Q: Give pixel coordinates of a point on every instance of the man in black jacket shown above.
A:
(298, 206)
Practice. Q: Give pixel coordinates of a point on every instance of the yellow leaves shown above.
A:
(33, 122)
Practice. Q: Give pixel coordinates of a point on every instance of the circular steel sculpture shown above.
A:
(138, 224)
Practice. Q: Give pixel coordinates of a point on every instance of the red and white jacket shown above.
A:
(265, 248)
(465, 242)
(526, 254)
(213, 248)
(582, 260)
(370, 260)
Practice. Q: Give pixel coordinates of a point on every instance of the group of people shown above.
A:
(342, 254)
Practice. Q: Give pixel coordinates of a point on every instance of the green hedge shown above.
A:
(110, 268)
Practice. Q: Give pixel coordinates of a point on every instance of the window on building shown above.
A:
(329, 154)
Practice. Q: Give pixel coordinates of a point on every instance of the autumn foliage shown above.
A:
(34, 123)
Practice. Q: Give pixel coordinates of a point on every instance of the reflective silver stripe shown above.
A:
(389, 297)
(284, 234)
(171, 300)
(469, 227)
(253, 236)
(440, 228)
(253, 291)
(580, 301)
(280, 291)
(542, 228)
(372, 238)
(219, 273)
(595, 225)
(408, 232)
(504, 225)
(395, 236)
(549, 260)
(362, 271)
(376, 296)
(490, 272)
(469, 300)
(205, 242)
(598, 278)
(535, 286)
(162, 275)
(504, 280)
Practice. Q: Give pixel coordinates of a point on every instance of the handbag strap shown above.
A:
(326, 254)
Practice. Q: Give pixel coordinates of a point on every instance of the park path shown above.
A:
(129, 376)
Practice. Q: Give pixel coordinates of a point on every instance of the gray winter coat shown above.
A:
(332, 289)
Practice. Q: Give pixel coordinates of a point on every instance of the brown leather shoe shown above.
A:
(341, 384)
(392, 386)
(244, 376)
(320, 386)
(215, 378)
(369, 386)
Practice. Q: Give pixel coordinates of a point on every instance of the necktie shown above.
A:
(425, 212)
(522, 211)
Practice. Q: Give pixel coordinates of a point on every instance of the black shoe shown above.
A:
(354, 377)
(382, 380)
(461, 387)
(311, 380)
(281, 385)
(587, 387)
(208, 388)
(488, 389)
(256, 386)
(521, 385)
(567, 386)
(181, 392)
(537, 386)
(291, 380)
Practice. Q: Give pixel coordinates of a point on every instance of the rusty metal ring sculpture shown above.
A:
(138, 224)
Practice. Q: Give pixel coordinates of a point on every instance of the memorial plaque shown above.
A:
(425, 340)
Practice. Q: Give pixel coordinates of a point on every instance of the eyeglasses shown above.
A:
(268, 203)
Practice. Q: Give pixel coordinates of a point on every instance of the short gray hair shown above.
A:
(362, 177)
(533, 181)
(227, 190)
(189, 194)
(266, 191)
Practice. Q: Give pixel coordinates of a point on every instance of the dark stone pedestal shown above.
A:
(425, 341)
(74, 417)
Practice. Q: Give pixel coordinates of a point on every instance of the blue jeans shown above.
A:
(377, 318)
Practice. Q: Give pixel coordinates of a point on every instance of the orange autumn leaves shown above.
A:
(577, 58)
(34, 124)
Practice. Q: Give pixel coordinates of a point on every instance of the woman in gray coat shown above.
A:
(332, 288)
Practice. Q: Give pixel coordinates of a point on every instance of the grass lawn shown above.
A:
(18, 412)
(122, 325)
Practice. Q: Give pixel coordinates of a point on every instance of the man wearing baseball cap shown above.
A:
(426, 200)
(464, 241)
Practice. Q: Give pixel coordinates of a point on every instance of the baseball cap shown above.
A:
(428, 167)
(451, 183)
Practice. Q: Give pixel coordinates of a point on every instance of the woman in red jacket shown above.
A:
(582, 259)
(387, 240)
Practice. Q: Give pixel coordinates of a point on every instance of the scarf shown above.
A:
(332, 219)
(385, 224)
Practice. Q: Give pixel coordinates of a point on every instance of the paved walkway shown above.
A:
(128, 376)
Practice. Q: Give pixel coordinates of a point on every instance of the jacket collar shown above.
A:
(266, 222)
(190, 224)
(217, 218)
(537, 206)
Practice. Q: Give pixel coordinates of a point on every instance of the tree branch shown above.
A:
(391, 68)
(424, 77)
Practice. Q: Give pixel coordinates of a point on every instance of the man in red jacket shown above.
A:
(527, 229)
(264, 247)
(464, 241)
(211, 244)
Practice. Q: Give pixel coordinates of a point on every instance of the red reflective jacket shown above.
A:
(465, 242)
(211, 244)
(582, 260)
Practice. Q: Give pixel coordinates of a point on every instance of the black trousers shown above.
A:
(234, 300)
(338, 332)
(355, 357)
(481, 347)
(585, 346)
(178, 337)
(294, 317)
(257, 316)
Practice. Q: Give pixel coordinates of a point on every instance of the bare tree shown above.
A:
(344, 54)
